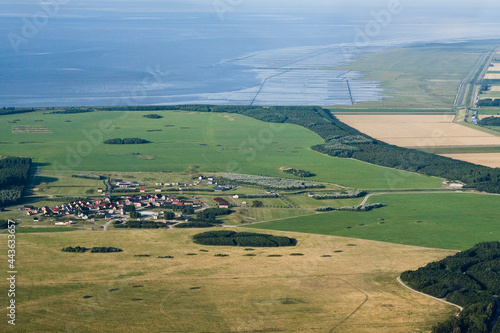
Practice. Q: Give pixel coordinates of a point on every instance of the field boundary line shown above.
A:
(435, 298)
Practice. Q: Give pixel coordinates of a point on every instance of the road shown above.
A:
(437, 299)
(106, 225)
(108, 187)
(459, 100)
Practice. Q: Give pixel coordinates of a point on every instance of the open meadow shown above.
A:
(214, 142)
(440, 220)
(336, 284)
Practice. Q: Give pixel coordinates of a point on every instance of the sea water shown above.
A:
(248, 52)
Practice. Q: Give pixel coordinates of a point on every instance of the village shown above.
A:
(119, 207)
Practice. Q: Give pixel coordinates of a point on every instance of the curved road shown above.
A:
(437, 299)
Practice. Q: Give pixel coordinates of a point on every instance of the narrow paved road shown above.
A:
(437, 299)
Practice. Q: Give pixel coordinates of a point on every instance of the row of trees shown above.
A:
(72, 111)
(140, 224)
(82, 249)
(14, 176)
(340, 195)
(126, 141)
(489, 102)
(469, 279)
(12, 110)
(88, 176)
(232, 238)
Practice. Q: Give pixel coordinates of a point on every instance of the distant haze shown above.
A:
(222, 51)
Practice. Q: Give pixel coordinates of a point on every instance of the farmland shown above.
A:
(419, 131)
(213, 142)
(448, 221)
(489, 159)
(338, 283)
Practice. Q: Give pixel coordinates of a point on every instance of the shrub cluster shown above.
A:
(126, 141)
(194, 225)
(362, 208)
(105, 249)
(299, 172)
(153, 116)
(88, 176)
(258, 195)
(232, 238)
(340, 195)
(141, 225)
(82, 249)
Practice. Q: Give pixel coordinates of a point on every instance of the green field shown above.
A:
(421, 77)
(446, 221)
(214, 142)
(485, 111)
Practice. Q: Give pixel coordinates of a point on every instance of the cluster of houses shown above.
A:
(108, 209)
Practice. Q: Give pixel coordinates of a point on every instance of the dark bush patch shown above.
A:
(244, 239)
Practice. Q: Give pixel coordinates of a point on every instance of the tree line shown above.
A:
(469, 279)
(489, 102)
(96, 249)
(14, 177)
(126, 141)
(489, 121)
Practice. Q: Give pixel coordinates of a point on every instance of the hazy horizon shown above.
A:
(66, 53)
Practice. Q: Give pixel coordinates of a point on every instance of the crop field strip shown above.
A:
(30, 129)
(419, 131)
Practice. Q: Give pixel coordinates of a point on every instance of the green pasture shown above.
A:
(446, 221)
(214, 142)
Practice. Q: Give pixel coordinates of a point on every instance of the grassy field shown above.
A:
(491, 111)
(447, 221)
(421, 77)
(339, 284)
(214, 142)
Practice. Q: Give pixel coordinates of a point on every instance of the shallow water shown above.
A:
(170, 52)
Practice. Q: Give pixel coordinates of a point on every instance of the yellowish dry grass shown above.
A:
(351, 291)
(419, 130)
(494, 68)
(495, 88)
(491, 76)
(488, 159)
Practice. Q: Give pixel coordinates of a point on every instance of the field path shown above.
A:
(355, 310)
(437, 299)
